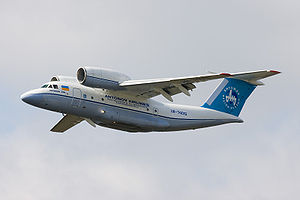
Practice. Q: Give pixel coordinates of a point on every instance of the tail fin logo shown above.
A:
(230, 97)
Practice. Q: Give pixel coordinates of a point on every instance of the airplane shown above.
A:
(111, 99)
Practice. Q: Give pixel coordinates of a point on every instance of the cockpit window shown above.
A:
(55, 86)
(50, 86)
(44, 86)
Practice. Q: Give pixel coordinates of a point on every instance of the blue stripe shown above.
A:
(122, 107)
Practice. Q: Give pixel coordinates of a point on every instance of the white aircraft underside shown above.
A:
(110, 99)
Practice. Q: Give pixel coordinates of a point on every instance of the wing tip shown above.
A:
(275, 71)
(226, 74)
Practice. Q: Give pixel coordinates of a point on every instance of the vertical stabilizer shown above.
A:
(230, 96)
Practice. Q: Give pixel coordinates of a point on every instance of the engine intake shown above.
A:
(100, 78)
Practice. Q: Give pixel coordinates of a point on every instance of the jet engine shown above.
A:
(100, 78)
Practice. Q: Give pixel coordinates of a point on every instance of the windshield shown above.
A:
(50, 86)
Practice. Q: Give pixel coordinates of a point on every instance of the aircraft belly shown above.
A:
(118, 117)
(176, 125)
(56, 103)
(122, 118)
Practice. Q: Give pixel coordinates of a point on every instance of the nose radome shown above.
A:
(32, 98)
(25, 97)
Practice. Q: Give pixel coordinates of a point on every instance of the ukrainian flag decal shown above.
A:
(65, 88)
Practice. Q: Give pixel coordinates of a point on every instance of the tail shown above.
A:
(231, 95)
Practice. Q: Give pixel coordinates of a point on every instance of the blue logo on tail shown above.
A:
(230, 97)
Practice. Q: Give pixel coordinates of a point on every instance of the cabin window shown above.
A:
(92, 97)
(44, 86)
(55, 86)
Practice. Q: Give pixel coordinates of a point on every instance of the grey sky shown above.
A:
(258, 159)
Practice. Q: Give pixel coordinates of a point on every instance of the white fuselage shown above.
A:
(117, 110)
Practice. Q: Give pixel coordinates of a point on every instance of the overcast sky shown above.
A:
(258, 159)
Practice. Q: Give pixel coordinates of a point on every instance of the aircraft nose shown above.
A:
(31, 98)
(24, 97)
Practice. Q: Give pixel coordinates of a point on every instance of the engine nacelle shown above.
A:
(100, 78)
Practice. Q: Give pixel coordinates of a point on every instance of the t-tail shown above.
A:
(231, 95)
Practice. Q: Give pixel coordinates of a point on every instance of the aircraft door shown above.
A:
(76, 101)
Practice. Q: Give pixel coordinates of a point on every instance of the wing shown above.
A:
(67, 122)
(171, 86)
(168, 86)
